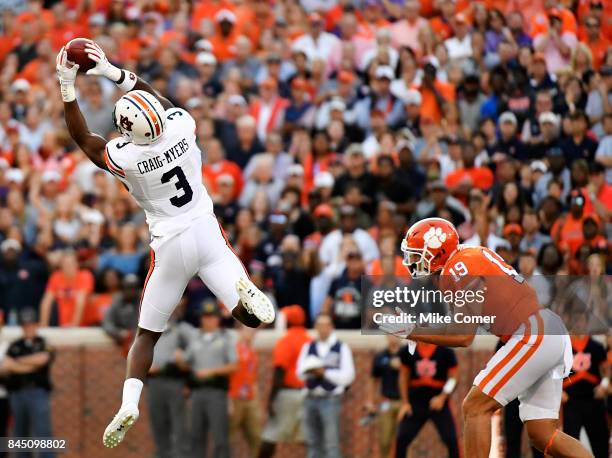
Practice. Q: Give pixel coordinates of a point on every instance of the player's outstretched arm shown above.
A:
(92, 144)
(125, 80)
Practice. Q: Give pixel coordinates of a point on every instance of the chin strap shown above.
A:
(550, 441)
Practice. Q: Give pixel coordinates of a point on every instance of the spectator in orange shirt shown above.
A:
(70, 288)
(286, 401)
(442, 24)
(567, 231)
(226, 34)
(244, 402)
(596, 41)
(434, 93)
(216, 165)
(469, 175)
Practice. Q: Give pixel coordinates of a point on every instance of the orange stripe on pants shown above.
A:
(521, 362)
(513, 352)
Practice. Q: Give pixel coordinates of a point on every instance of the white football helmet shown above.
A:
(139, 117)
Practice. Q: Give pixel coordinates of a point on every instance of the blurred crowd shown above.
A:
(327, 128)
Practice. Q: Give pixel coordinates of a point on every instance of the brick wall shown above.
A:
(87, 392)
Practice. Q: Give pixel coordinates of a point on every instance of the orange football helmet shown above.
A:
(428, 245)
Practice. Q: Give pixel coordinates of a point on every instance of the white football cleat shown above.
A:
(123, 421)
(254, 301)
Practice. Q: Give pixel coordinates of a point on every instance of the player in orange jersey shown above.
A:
(531, 364)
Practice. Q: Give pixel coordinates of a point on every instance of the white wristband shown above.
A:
(605, 382)
(449, 386)
(68, 92)
(126, 81)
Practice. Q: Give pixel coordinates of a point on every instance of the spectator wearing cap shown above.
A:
(459, 46)
(412, 100)
(410, 29)
(603, 155)
(324, 223)
(381, 99)
(326, 365)
(567, 230)
(225, 205)
(244, 399)
(69, 287)
(548, 138)
(300, 111)
(22, 280)
(211, 357)
(248, 143)
(513, 233)
(226, 33)
(216, 165)
(286, 402)
(268, 109)
(267, 252)
(543, 103)
(599, 102)
(20, 89)
(28, 362)
(317, 42)
(508, 142)
(343, 301)
(165, 390)
(121, 318)
(578, 145)
(208, 73)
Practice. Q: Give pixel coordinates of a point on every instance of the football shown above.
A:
(78, 55)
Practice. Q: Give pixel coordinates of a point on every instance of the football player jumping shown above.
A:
(158, 161)
(537, 353)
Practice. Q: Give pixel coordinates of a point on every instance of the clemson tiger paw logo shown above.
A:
(434, 237)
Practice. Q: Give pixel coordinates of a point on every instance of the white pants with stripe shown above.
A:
(531, 367)
(201, 250)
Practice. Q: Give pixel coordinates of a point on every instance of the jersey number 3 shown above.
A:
(181, 184)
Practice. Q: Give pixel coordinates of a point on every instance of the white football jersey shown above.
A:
(164, 177)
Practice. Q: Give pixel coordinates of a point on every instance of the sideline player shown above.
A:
(531, 364)
(158, 161)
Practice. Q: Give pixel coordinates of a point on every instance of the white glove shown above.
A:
(103, 66)
(401, 330)
(66, 75)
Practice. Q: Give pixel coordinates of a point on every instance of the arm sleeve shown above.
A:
(345, 375)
